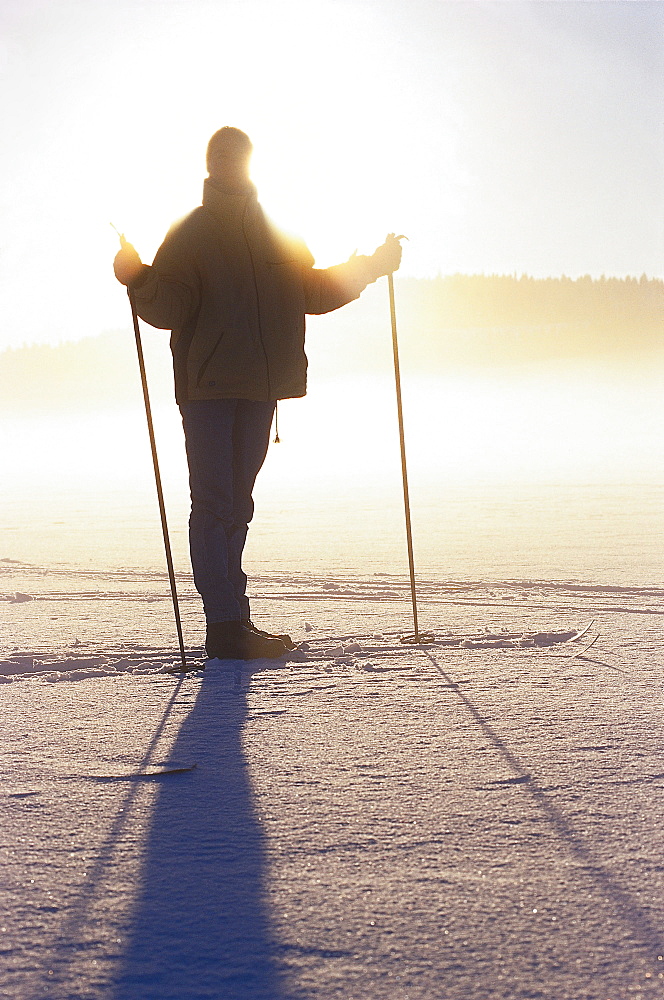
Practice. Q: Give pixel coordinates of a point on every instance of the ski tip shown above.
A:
(583, 631)
(584, 649)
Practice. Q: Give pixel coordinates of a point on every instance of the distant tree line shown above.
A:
(461, 300)
(459, 319)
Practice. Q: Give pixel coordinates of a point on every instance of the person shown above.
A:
(235, 290)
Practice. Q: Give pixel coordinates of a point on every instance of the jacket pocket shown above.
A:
(206, 361)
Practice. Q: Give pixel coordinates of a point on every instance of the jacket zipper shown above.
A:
(258, 304)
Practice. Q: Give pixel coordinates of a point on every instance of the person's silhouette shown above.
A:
(235, 291)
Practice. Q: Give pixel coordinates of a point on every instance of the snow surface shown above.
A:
(365, 819)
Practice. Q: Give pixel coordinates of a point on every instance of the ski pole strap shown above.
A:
(277, 439)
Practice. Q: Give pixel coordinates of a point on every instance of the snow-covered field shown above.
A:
(473, 819)
(365, 820)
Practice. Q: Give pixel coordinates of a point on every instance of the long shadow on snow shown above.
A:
(201, 929)
(628, 908)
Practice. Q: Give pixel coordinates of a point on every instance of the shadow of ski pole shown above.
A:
(627, 908)
(89, 893)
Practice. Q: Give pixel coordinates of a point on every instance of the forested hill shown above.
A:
(461, 300)
(445, 321)
(496, 319)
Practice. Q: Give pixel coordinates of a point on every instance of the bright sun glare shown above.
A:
(339, 180)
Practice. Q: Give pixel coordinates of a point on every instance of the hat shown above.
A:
(229, 142)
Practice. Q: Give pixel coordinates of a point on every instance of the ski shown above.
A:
(527, 638)
(585, 649)
(309, 650)
(347, 647)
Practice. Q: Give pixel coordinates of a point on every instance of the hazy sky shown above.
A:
(499, 136)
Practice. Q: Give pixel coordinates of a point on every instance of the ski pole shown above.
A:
(417, 637)
(157, 475)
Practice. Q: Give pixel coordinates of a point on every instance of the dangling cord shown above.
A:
(277, 439)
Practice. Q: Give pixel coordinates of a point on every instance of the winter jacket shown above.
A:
(234, 291)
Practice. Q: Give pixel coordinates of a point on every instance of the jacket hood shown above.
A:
(229, 207)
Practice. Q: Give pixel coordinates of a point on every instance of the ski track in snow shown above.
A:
(101, 624)
(360, 820)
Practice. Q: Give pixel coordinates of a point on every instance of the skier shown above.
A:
(234, 291)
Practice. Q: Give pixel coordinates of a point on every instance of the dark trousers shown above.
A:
(226, 442)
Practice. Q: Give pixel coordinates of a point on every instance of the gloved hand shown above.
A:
(127, 264)
(387, 257)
